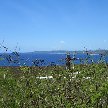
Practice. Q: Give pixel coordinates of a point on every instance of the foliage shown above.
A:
(84, 87)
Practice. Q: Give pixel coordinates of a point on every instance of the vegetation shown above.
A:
(85, 86)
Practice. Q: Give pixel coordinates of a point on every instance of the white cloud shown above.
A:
(60, 45)
(62, 42)
(105, 41)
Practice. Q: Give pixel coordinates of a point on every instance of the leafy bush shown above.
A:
(66, 88)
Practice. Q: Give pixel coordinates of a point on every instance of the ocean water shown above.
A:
(44, 59)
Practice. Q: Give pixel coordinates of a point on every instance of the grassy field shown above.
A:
(85, 86)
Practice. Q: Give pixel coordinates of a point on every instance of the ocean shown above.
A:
(45, 59)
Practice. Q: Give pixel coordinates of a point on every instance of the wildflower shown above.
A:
(46, 77)
(2, 99)
(4, 76)
(76, 73)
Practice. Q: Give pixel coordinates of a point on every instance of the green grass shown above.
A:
(20, 87)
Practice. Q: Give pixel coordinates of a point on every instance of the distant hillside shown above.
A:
(100, 51)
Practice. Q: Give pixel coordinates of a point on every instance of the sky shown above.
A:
(44, 25)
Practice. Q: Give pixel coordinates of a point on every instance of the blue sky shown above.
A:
(54, 24)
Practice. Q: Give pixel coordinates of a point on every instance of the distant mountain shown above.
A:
(99, 51)
(54, 51)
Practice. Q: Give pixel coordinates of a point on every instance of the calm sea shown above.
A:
(44, 59)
